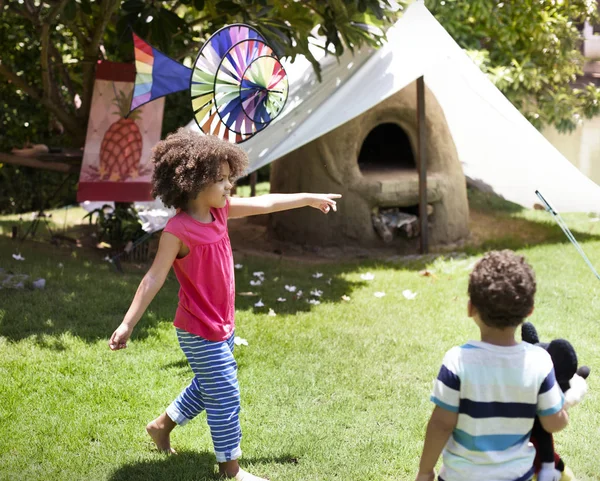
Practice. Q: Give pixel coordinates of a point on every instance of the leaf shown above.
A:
(133, 6)
(86, 7)
(228, 7)
(70, 10)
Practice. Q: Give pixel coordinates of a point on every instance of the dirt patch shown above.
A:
(250, 236)
(488, 227)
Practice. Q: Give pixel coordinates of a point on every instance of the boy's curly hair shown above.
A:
(502, 287)
(186, 162)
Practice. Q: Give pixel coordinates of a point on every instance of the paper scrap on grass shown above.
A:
(379, 294)
(238, 341)
(409, 294)
(259, 304)
(367, 277)
(346, 298)
(290, 288)
(318, 275)
(238, 266)
(316, 293)
(255, 283)
(314, 302)
(18, 257)
(272, 313)
(281, 299)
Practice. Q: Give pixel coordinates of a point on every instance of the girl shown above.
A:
(194, 174)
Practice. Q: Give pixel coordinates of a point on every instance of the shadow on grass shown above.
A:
(88, 299)
(40, 232)
(490, 202)
(185, 466)
(331, 287)
(83, 296)
(498, 224)
(181, 364)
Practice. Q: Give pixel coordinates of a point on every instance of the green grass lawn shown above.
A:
(332, 391)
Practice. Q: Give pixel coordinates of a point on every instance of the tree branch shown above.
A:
(73, 125)
(175, 7)
(198, 21)
(51, 91)
(62, 77)
(55, 12)
(31, 8)
(90, 54)
(45, 61)
(25, 13)
(19, 82)
(65, 73)
(81, 38)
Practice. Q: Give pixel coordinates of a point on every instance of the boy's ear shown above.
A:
(470, 308)
(531, 312)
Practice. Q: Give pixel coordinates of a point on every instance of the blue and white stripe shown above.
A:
(496, 392)
(214, 389)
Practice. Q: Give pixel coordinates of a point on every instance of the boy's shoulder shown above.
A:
(481, 349)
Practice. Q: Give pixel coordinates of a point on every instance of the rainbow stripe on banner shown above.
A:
(237, 85)
(156, 74)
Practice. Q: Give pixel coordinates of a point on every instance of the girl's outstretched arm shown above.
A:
(265, 204)
(168, 248)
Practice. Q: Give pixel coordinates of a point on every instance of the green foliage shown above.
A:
(48, 53)
(23, 189)
(531, 49)
(116, 226)
(21, 118)
(49, 50)
(333, 391)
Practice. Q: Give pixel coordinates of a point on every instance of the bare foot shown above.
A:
(160, 431)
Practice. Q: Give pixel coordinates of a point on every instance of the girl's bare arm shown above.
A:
(168, 248)
(265, 204)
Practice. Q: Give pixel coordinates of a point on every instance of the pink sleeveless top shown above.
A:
(207, 285)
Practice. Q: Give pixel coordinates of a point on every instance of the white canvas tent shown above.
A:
(496, 144)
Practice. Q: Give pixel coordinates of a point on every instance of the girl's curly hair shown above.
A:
(186, 162)
(502, 289)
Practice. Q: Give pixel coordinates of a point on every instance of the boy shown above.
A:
(488, 392)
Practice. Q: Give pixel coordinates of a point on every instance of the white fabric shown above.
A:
(577, 390)
(246, 476)
(153, 215)
(496, 144)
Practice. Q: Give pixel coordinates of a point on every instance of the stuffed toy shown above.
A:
(548, 464)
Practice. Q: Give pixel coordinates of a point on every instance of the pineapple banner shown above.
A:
(116, 161)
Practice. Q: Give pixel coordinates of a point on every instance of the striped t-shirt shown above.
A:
(497, 391)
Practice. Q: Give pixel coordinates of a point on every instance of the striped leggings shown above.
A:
(214, 389)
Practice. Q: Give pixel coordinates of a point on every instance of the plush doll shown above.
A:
(548, 464)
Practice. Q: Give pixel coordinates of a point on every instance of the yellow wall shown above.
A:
(581, 147)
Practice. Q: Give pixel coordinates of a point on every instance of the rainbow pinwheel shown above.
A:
(237, 85)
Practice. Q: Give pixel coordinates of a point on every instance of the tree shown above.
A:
(49, 49)
(531, 50)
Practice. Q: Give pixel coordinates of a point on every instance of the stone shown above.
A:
(330, 164)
